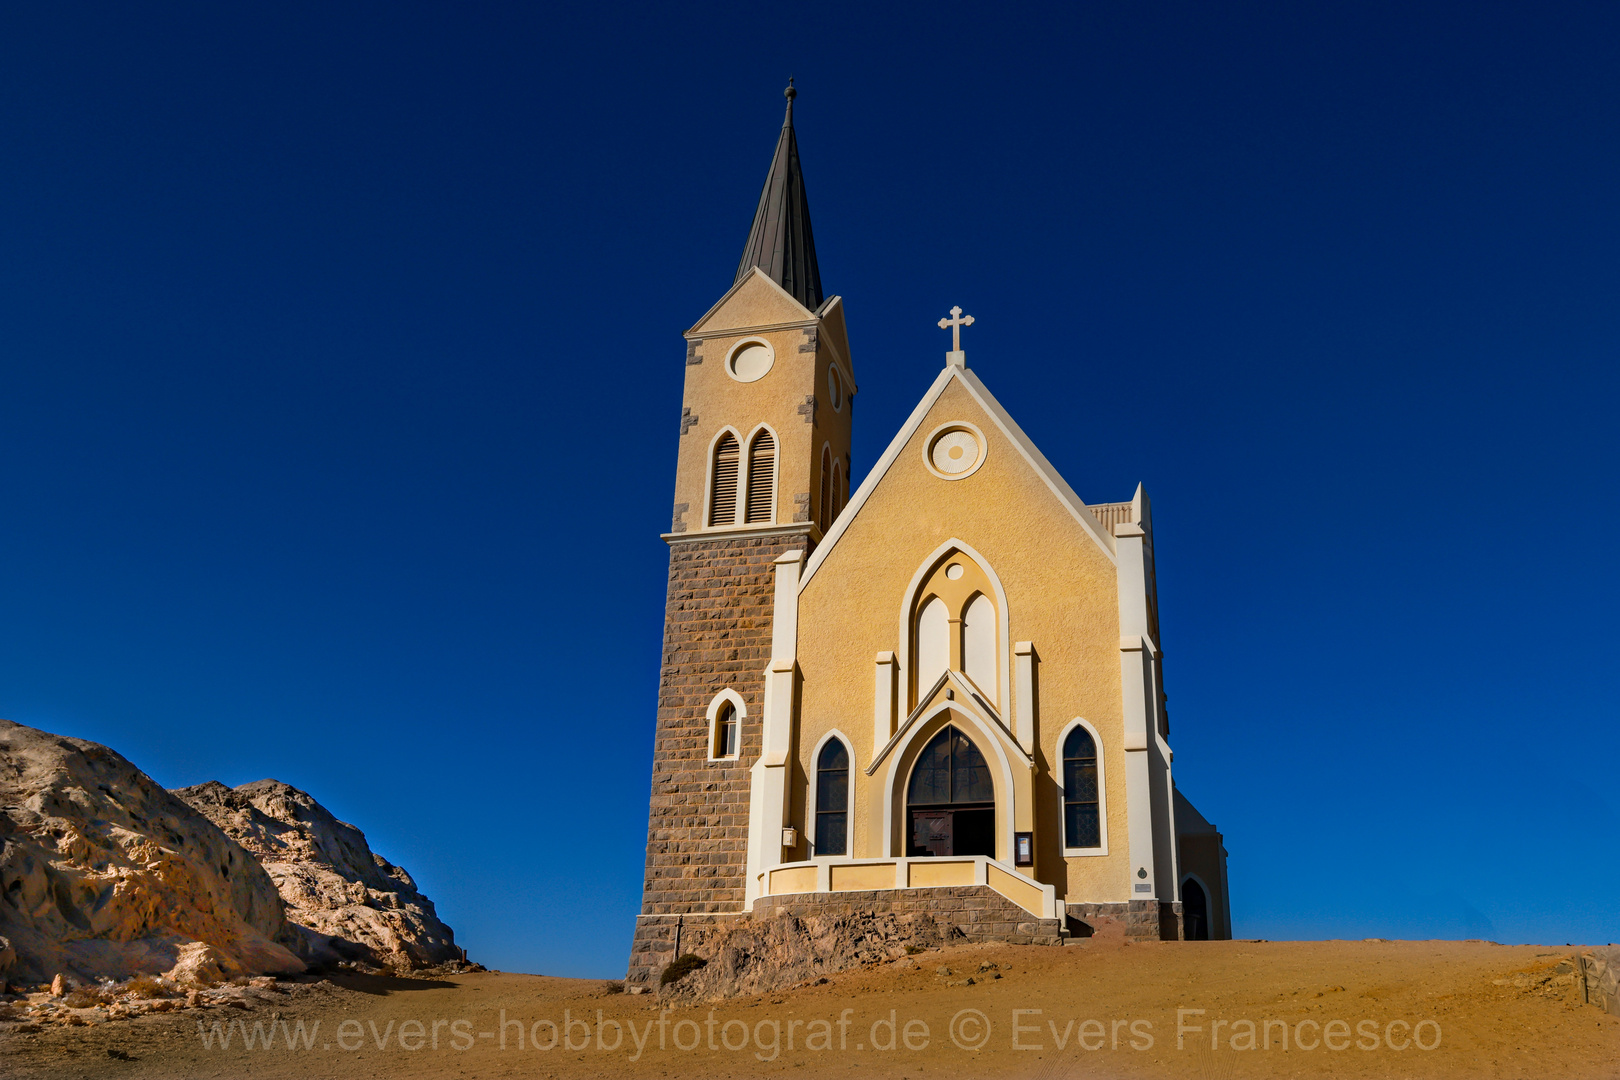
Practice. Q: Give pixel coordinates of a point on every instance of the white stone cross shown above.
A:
(956, 322)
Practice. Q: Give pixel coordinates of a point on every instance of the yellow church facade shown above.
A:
(940, 691)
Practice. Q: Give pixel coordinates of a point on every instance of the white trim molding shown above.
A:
(776, 476)
(739, 709)
(708, 477)
(1102, 791)
(945, 429)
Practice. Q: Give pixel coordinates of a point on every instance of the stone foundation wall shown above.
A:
(977, 910)
(1145, 920)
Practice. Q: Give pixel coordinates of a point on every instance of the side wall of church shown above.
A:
(717, 634)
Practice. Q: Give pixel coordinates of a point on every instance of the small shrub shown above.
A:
(614, 986)
(145, 986)
(913, 950)
(681, 967)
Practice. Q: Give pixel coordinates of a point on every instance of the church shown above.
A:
(938, 692)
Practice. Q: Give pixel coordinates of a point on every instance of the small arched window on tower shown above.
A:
(832, 799)
(762, 479)
(837, 489)
(1082, 824)
(725, 732)
(824, 508)
(723, 490)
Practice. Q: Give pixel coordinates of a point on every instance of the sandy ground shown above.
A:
(1083, 1011)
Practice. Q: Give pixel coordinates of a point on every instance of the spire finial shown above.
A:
(790, 94)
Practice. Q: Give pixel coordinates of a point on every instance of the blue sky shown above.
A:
(330, 334)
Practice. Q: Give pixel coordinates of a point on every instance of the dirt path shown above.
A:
(1486, 1011)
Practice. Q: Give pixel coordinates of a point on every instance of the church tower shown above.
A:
(762, 472)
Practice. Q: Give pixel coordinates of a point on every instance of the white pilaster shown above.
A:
(1024, 693)
(884, 683)
(1134, 677)
(768, 802)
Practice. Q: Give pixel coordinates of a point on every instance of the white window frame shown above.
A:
(739, 709)
(849, 805)
(742, 476)
(1102, 792)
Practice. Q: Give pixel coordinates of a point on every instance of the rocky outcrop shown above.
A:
(761, 955)
(104, 874)
(1600, 972)
(344, 903)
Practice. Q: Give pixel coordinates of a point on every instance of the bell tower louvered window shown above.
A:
(723, 495)
(762, 479)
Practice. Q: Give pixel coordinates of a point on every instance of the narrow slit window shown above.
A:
(762, 479)
(824, 508)
(723, 497)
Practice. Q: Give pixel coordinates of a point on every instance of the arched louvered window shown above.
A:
(723, 493)
(832, 799)
(762, 479)
(824, 508)
(838, 489)
(1082, 824)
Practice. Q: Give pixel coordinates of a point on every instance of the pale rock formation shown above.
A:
(343, 901)
(104, 874)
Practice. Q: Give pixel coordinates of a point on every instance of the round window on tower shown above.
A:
(954, 451)
(835, 386)
(750, 360)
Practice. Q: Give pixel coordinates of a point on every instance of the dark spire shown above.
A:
(780, 242)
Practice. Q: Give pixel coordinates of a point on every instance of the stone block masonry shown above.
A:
(981, 913)
(717, 635)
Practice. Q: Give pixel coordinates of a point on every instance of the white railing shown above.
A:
(931, 872)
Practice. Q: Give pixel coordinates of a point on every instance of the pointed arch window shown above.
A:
(723, 484)
(837, 489)
(832, 799)
(1082, 819)
(761, 479)
(725, 733)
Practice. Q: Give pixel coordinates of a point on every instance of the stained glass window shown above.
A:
(832, 799)
(1082, 823)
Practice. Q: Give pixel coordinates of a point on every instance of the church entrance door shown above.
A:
(950, 801)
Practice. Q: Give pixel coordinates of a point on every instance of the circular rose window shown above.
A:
(955, 451)
(750, 360)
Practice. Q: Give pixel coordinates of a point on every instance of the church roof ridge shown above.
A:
(780, 241)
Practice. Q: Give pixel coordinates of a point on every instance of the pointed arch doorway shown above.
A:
(950, 801)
